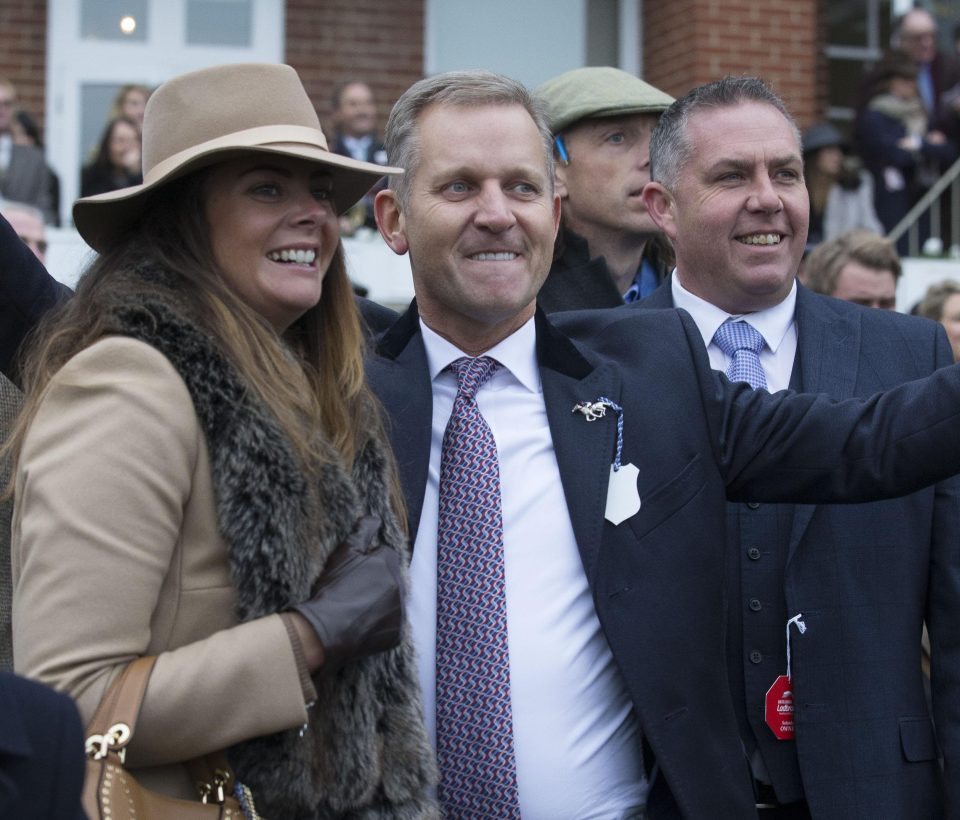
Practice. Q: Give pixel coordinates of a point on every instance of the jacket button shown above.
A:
(755, 604)
(756, 656)
(753, 505)
(753, 553)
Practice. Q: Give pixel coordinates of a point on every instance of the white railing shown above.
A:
(932, 201)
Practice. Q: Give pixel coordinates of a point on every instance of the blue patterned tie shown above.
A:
(742, 342)
(478, 775)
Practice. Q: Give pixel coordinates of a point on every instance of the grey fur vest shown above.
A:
(364, 753)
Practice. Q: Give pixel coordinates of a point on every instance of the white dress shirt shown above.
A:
(359, 147)
(576, 736)
(775, 324)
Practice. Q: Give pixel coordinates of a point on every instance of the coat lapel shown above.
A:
(829, 348)
(401, 379)
(584, 450)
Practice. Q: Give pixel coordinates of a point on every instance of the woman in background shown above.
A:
(130, 102)
(841, 192)
(117, 161)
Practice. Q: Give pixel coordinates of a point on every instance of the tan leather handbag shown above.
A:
(110, 792)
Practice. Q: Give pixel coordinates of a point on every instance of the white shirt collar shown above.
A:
(517, 353)
(773, 323)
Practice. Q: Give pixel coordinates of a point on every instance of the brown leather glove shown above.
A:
(357, 606)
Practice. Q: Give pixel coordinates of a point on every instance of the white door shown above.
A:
(96, 46)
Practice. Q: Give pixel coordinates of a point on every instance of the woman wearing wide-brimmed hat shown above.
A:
(841, 192)
(197, 442)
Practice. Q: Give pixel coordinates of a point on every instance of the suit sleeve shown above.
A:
(943, 615)
(105, 473)
(27, 292)
(811, 449)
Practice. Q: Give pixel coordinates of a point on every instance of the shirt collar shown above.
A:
(356, 143)
(772, 323)
(517, 353)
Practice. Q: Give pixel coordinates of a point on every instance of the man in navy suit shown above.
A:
(614, 578)
(728, 192)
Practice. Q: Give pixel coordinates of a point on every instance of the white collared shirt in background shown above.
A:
(775, 324)
(576, 737)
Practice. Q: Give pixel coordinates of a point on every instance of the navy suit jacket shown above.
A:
(41, 752)
(865, 577)
(697, 440)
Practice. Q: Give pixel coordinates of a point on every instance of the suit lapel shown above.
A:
(584, 450)
(829, 348)
(400, 377)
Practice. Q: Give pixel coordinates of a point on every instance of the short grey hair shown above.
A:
(670, 145)
(453, 88)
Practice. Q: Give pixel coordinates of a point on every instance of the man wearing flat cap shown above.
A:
(608, 250)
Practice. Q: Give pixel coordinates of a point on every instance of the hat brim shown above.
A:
(102, 219)
(571, 118)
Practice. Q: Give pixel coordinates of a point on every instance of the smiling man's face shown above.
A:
(739, 211)
(479, 223)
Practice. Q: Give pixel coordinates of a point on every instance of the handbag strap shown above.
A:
(121, 703)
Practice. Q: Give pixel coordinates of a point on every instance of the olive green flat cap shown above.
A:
(598, 91)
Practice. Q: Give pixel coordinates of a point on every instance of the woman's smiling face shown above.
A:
(273, 232)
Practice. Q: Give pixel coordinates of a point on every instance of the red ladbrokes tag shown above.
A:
(779, 709)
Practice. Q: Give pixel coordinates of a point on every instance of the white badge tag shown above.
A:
(623, 498)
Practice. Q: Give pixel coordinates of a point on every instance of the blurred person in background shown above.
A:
(26, 132)
(117, 163)
(857, 266)
(841, 191)
(130, 102)
(23, 169)
(942, 304)
(903, 152)
(27, 221)
(938, 72)
(355, 135)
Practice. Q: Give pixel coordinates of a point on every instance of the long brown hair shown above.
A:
(321, 386)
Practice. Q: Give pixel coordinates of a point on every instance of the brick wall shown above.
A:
(689, 42)
(380, 43)
(23, 51)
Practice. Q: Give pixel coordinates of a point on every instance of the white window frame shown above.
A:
(73, 62)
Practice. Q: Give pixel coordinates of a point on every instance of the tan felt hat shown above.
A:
(215, 114)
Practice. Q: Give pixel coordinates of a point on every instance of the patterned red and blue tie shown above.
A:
(478, 776)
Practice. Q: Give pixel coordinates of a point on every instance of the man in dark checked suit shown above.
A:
(728, 192)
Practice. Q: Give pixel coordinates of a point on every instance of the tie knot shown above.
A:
(732, 336)
(472, 373)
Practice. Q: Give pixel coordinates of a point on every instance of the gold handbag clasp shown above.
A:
(116, 737)
(217, 786)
